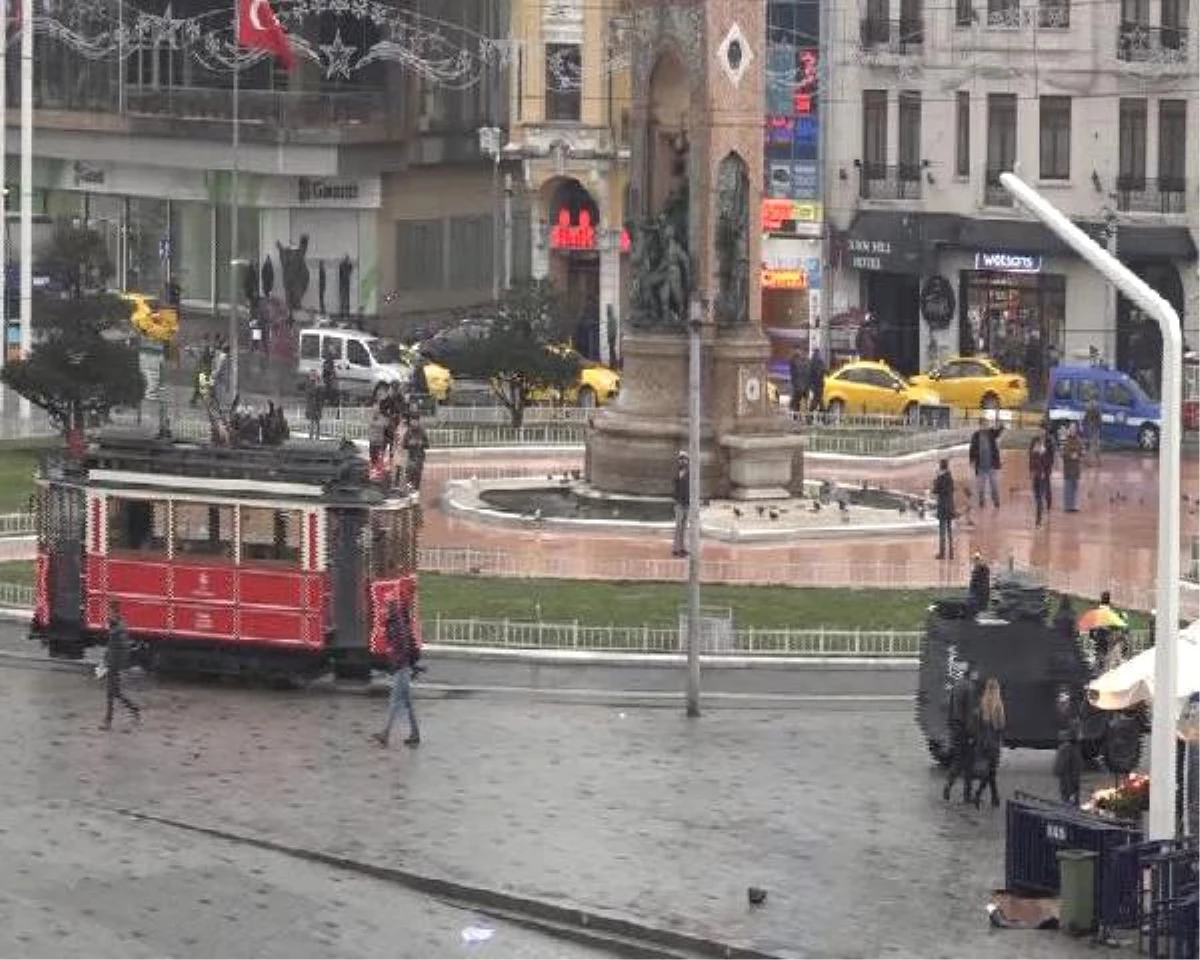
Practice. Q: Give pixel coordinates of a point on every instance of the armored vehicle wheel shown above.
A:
(941, 754)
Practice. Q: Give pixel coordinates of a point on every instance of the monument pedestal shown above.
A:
(760, 467)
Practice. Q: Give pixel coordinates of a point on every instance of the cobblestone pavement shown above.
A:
(81, 882)
(639, 814)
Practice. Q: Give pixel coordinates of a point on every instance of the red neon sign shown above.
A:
(565, 235)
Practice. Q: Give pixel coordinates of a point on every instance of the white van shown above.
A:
(356, 358)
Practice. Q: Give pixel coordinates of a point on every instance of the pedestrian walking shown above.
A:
(1050, 442)
(377, 431)
(984, 457)
(116, 659)
(415, 444)
(816, 381)
(329, 378)
(314, 405)
(963, 721)
(404, 657)
(798, 373)
(1068, 758)
(989, 740)
(683, 502)
(1037, 477)
(943, 491)
(1092, 421)
(1072, 458)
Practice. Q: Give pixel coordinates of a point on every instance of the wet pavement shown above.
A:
(642, 814)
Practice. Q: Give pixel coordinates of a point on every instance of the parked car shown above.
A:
(1127, 415)
(362, 371)
(595, 385)
(975, 383)
(449, 345)
(437, 377)
(872, 387)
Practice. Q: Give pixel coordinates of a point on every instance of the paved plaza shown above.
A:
(632, 813)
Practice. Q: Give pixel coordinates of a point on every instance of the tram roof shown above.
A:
(323, 464)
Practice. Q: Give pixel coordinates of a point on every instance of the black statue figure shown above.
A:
(321, 286)
(345, 268)
(296, 276)
(268, 277)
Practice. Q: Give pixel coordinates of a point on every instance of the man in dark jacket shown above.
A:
(798, 374)
(984, 455)
(1051, 445)
(683, 503)
(963, 722)
(816, 381)
(415, 443)
(404, 654)
(979, 589)
(314, 405)
(943, 490)
(116, 659)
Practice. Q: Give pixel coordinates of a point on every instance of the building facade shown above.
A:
(1094, 106)
(568, 145)
(365, 161)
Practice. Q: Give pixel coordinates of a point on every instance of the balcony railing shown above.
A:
(904, 36)
(287, 110)
(1139, 195)
(1142, 43)
(877, 181)
(994, 194)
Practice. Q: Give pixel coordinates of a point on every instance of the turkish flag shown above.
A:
(259, 29)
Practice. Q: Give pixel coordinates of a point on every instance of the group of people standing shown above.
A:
(807, 376)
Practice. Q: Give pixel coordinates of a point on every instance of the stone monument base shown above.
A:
(761, 467)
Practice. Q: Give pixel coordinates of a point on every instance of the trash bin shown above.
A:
(1077, 890)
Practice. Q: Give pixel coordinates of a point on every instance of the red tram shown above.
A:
(270, 561)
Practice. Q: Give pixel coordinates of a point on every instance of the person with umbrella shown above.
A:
(1099, 624)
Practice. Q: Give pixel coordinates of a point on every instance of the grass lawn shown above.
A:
(654, 604)
(16, 479)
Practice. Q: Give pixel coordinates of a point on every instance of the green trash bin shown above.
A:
(1077, 890)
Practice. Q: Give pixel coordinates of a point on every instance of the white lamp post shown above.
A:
(1162, 734)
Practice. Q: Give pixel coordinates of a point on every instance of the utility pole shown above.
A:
(5, 253)
(489, 144)
(26, 187)
(508, 230)
(697, 311)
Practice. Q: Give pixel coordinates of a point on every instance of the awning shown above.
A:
(1019, 236)
(1137, 242)
(895, 241)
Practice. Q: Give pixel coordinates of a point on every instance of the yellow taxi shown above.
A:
(975, 383)
(150, 318)
(437, 377)
(870, 387)
(595, 386)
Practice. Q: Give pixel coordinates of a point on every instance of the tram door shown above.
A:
(62, 532)
(347, 563)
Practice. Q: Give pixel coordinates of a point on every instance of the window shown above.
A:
(332, 347)
(421, 252)
(1131, 145)
(1004, 13)
(910, 135)
(1055, 138)
(912, 23)
(962, 133)
(964, 13)
(1002, 133)
(522, 246)
(271, 536)
(202, 530)
(564, 81)
(356, 354)
(393, 543)
(137, 526)
(1118, 394)
(1172, 144)
(310, 347)
(471, 252)
(1135, 12)
(875, 135)
(1174, 24)
(1054, 14)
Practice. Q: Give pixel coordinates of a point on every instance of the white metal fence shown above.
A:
(16, 524)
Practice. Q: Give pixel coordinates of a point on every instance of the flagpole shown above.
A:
(233, 215)
(26, 187)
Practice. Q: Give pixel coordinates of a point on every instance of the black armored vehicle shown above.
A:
(1040, 668)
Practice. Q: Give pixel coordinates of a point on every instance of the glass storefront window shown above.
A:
(247, 245)
(1018, 319)
(148, 221)
(192, 249)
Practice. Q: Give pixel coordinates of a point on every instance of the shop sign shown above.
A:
(868, 254)
(776, 213)
(784, 279)
(565, 235)
(310, 190)
(937, 302)
(87, 174)
(1008, 262)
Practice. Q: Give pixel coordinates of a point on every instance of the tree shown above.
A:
(82, 364)
(521, 350)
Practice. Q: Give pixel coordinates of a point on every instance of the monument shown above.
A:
(695, 190)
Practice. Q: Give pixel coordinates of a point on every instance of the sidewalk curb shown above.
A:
(626, 936)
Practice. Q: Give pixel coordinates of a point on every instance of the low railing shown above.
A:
(276, 109)
(17, 524)
(1142, 43)
(1139, 195)
(884, 182)
(16, 596)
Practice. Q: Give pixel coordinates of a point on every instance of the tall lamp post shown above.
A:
(697, 310)
(489, 145)
(1166, 639)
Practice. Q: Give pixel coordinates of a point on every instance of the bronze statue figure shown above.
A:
(733, 241)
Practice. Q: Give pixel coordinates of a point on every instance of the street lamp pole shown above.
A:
(1166, 638)
(695, 325)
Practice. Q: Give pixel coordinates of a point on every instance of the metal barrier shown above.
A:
(17, 524)
(16, 596)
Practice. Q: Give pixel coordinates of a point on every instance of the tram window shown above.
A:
(137, 526)
(271, 536)
(203, 530)
(392, 543)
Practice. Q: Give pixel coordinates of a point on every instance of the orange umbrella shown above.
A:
(1102, 618)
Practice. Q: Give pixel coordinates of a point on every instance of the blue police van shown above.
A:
(1128, 417)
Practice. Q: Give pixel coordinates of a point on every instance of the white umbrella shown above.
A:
(1133, 681)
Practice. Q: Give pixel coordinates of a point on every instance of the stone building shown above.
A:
(1093, 103)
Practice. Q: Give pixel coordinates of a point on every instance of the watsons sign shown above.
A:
(1008, 262)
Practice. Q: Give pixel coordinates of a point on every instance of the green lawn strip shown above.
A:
(18, 571)
(16, 478)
